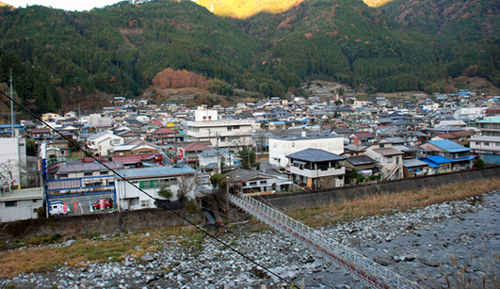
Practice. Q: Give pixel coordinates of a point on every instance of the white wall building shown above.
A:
(102, 143)
(20, 204)
(12, 158)
(279, 147)
(228, 133)
(151, 180)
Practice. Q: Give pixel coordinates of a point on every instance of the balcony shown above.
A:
(317, 173)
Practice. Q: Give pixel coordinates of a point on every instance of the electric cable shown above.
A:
(243, 255)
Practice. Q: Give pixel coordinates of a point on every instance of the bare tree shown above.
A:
(9, 168)
(186, 184)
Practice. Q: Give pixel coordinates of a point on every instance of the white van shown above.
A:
(57, 209)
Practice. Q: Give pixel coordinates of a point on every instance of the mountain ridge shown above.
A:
(118, 50)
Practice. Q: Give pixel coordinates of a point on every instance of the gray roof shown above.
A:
(88, 167)
(486, 138)
(361, 160)
(22, 194)
(155, 172)
(245, 175)
(410, 163)
(98, 135)
(315, 155)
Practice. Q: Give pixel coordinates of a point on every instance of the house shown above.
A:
(365, 165)
(277, 125)
(141, 160)
(390, 158)
(490, 126)
(190, 152)
(317, 169)
(224, 133)
(415, 168)
(20, 204)
(13, 160)
(256, 181)
(102, 143)
(437, 164)
(281, 145)
(488, 147)
(361, 138)
(178, 179)
(163, 136)
(212, 159)
(458, 154)
(134, 148)
(50, 117)
(41, 133)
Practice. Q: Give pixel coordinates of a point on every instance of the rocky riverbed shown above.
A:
(427, 246)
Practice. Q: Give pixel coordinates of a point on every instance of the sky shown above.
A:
(70, 5)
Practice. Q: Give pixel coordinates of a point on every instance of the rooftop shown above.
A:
(315, 155)
(154, 172)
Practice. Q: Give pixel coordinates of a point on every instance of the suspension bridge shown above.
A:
(367, 270)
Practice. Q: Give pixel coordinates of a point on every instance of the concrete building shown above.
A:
(174, 178)
(20, 204)
(390, 158)
(488, 147)
(222, 133)
(102, 143)
(317, 169)
(13, 159)
(280, 146)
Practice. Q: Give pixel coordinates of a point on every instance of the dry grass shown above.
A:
(97, 249)
(389, 203)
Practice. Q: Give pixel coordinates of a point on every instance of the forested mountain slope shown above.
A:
(118, 50)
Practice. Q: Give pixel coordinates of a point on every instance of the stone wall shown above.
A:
(328, 196)
(103, 224)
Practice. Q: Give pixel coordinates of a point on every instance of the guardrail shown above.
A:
(359, 266)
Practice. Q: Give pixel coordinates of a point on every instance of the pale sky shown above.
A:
(69, 5)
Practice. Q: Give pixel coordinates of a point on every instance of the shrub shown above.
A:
(41, 212)
(192, 207)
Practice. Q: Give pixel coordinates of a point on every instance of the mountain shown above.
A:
(118, 50)
(243, 9)
(452, 19)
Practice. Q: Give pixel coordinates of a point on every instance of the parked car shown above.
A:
(108, 203)
(57, 209)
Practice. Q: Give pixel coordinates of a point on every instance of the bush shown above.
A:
(192, 207)
(165, 192)
(41, 212)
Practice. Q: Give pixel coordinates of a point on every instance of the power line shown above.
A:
(147, 194)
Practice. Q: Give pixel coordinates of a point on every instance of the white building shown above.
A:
(151, 180)
(20, 204)
(390, 158)
(224, 133)
(469, 114)
(102, 143)
(279, 147)
(488, 147)
(12, 159)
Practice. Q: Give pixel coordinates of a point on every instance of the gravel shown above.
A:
(423, 245)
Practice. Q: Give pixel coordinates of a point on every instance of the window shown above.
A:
(11, 204)
(87, 174)
(121, 154)
(63, 176)
(134, 202)
(34, 201)
(389, 159)
(253, 183)
(229, 128)
(263, 182)
(486, 144)
(236, 127)
(116, 141)
(397, 160)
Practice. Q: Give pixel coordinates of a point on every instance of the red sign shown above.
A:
(181, 153)
(65, 207)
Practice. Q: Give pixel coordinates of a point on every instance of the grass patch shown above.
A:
(382, 204)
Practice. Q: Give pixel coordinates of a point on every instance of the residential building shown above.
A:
(458, 154)
(13, 159)
(488, 147)
(212, 159)
(437, 164)
(190, 152)
(134, 148)
(256, 181)
(317, 169)
(365, 165)
(102, 143)
(163, 136)
(390, 158)
(20, 204)
(178, 179)
(280, 146)
(221, 133)
(415, 168)
(490, 126)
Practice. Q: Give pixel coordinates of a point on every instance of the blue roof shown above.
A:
(155, 172)
(16, 125)
(278, 122)
(449, 146)
(468, 158)
(435, 161)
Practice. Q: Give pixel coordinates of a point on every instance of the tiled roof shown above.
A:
(315, 155)
(195, 146)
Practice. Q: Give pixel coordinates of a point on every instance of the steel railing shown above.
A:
(367, 270)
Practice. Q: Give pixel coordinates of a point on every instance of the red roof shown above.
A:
(195, 147)
(133, 159)
(163, 130)
(362, 134)
(156, 122)
(91, 159)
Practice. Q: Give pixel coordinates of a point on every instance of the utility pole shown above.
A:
(12, 116)
(218, 157)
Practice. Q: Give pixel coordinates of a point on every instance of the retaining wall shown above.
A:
(321, 197)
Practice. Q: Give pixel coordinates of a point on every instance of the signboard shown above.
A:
(181, 153)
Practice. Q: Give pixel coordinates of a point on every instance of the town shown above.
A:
(273, 146)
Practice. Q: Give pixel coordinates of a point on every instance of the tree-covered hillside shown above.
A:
(118, 50)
